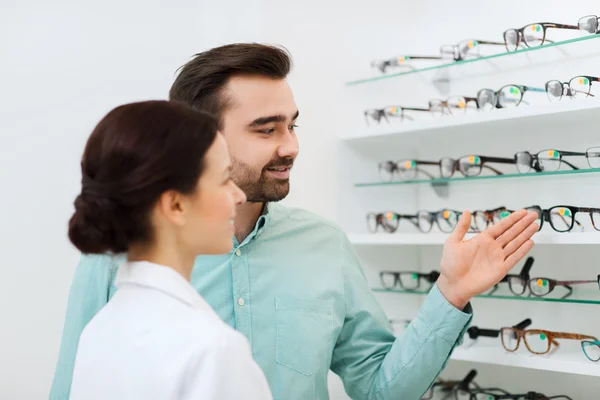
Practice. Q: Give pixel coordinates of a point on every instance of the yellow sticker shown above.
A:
(389, 216)
(472, 159)
(446, 214)
(581, 81)
(533, 27)
(561, 211)
(401, 59)
(461, 104)
(408, 164)
(540, 282)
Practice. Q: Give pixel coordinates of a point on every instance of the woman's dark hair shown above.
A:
(136, 152)
(201, 81)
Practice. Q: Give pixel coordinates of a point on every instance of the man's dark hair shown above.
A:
(201, 81)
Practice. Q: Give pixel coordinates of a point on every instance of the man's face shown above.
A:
(259, 129)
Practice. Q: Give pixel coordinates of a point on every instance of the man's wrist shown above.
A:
(452, 294)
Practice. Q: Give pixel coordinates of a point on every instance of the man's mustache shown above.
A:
(280, 163)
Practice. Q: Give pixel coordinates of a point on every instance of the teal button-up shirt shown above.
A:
(294, 287)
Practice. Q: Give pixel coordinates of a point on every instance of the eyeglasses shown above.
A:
(406, 169)
(578, 87)
(475, 332)
(388, 221)
(399, 62)
(471, 165)
(546, 160)
(517, 283)
(537, 341)
(467, 384)
(465, 49)
(452, 105)
(591, 349)
(406, 280)
(482, 219)
(531, 35)
(445, 219)
(562, 218)
(507, 97)
(500, 394)
(541, 287)
(377, 114)
(589, 24)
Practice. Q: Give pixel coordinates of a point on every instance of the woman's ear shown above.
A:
(172, 205)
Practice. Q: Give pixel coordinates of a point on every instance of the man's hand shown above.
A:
(470, 267)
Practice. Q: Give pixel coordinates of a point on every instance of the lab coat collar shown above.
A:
(161, 278)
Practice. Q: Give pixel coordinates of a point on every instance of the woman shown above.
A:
(156, 185)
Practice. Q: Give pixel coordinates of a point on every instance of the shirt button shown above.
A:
(241, 302)
(238, 252)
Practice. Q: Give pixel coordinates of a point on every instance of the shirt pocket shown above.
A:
(304, 333)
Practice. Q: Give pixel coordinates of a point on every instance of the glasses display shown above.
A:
(500, 394)
(537, 341)
(591, 349)
(452, 105)
(562, 218)
(450, 387)
(541, 287)
(388, 221)
(578, 87)
(507, 96)
(475, 332)
(517, 283)
(406, 280)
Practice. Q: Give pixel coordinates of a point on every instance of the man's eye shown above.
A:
(267, 131)
(293, 127)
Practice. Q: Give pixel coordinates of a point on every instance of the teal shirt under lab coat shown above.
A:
(294, 287)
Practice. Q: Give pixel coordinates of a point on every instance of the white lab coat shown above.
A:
(158, 339)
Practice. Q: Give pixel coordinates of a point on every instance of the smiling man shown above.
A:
(293, 284)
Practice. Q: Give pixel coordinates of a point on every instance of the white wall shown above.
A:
(63, 66)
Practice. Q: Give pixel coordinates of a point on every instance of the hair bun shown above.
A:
(98, 225)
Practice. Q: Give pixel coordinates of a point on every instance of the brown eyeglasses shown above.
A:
(531, 35)
(541, 287)
(452, 105)
(537, 341)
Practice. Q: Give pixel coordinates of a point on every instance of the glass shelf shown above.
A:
(444, 181)
(502, 294)
(456, 64)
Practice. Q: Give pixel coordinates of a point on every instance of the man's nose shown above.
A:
(288, 147)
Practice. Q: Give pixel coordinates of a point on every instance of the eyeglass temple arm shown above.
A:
(526, 267)
(415, 109)
(412, 218)
(559, 26)
(464, 384)
(574, 336)
(488, 42)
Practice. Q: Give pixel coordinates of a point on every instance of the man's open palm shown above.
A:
(473, 266)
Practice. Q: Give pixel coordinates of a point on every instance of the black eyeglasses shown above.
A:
(531, 35)
(467, 382)
(465, 49)
(471, 165)
(445, 219)
(578, 87)
(517, 283)
(482, 219)
(388, 221)
(547, 160)
(507, 96)
(562, 218)
(377, 114)
(406, 280)
(501, 394)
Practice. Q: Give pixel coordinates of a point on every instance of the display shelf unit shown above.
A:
(461, 179)
(576, 298)
(552, 52)
(524, 118)
(412, 239)
(559, 361)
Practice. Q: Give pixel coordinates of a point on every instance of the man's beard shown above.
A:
(257, 185)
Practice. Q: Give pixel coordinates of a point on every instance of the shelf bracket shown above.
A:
(442, 189)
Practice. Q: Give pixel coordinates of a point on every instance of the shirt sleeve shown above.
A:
(225, 370)
(371, 361)
(89, 293)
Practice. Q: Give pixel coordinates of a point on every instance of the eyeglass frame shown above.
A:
(544, 214)
(535, 160)
(553, 283)
(496, 94)
(475, 332)
(567, 89)
(551, 335)
(380, 216)
(383, 65)
(430, 277)
(456, 166)
(434, 217)
(521, 33)
(523, 277)
(443, 104)
(384, 113)
(395, 166)
(456, 53)
(589, 343)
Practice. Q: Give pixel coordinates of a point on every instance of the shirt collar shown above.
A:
(264, 218)
(161, 278)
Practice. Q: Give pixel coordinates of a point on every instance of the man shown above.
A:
(293, 284)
